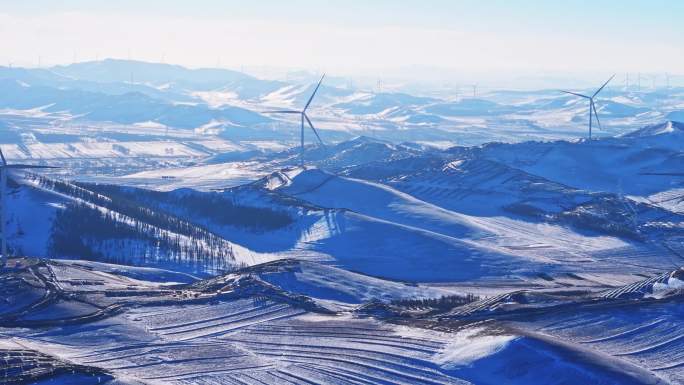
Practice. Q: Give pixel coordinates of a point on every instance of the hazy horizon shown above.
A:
(462, 41)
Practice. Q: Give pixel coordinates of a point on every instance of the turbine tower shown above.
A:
(592, 105)
(4, 168)
(303, 117)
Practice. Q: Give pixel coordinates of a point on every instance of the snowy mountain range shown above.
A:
(130, 92)
(181, 241)
(545, 205)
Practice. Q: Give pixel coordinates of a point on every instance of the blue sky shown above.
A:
(353, 36)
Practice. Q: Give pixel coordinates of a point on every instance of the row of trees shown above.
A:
(83, 231)
(117, 230)
(131, 209)
(443, 303)
(218, 208)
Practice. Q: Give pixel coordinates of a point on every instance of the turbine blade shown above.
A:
(313, 94)
(283, 112)
(314, 130)
(593, 107)
(604, 84)
(4, 162)
(576, 94)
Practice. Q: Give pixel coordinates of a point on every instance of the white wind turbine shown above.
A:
(303, 117)
(4, 168)
(592, 105)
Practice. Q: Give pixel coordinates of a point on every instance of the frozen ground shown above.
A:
(186, 245)
(239, 328)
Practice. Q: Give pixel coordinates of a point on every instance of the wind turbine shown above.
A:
(667, 80)
(4, 167)
(592, 105)
(303, 117)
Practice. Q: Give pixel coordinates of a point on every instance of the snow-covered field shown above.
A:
(98, 322)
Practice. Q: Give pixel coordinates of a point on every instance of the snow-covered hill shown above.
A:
(471, 244)
(49, 218)
(410, 213)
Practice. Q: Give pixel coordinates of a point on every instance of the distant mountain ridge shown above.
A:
(116, 70)
(127, 108)
(668, 128)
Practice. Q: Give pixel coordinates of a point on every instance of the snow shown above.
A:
(30, 206)
(205, 177)
(343, 287)
(30, 214)
(284, 96)
(374, 200)
(645, 336)
(32, 112)
(469, 345)
(139, 274)
(453, 165)
(411, 226)
(267, 145)
(668, 127)
(221, 339)
(561, 301)
(444, 224)
(439, 144)
(149, 124)
(672, 284)
(97, 150)
(217, 98)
